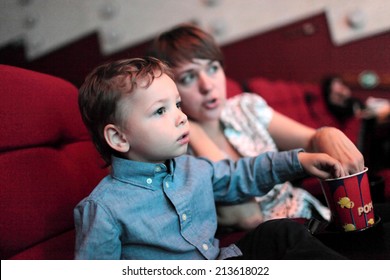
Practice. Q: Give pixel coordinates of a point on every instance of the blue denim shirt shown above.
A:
(167, 211)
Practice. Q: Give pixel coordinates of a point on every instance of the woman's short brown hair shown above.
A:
(184, 43)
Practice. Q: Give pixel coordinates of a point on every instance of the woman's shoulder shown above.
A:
(247, 107)
(248, 100)
(247, 96)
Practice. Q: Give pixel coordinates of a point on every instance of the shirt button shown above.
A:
(205, 247)
(166, 184)
(149, 181)
(157, 169)
(184, 217)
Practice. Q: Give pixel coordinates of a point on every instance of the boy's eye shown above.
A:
(161, 111)
(178, 105)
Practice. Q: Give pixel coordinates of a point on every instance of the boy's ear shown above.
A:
(116, 139)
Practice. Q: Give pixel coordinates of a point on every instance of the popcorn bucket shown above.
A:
(349, 200)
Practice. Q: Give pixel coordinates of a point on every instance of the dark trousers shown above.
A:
(369, 244)
(283, 239)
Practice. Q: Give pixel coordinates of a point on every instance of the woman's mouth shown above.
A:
(211, 103)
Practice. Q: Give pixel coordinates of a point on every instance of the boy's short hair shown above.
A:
(184, 43)
(103, 89)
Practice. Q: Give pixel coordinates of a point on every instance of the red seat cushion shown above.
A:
(60, 247)
(47, 161)
(232, 88)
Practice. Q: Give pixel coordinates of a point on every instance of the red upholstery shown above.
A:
(47, 162)
(385, 174)
(232, 88)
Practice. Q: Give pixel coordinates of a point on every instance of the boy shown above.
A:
(158, 203)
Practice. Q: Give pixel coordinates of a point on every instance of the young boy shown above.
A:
(159, 203)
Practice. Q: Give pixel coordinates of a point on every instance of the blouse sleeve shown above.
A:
(252, 105)
(246, 119)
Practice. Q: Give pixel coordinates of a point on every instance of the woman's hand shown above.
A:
(335, 143)
(321, 165)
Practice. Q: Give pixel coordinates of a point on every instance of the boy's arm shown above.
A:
(236, 181)
(97, 237)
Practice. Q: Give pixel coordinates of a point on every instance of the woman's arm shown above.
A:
(289, 134)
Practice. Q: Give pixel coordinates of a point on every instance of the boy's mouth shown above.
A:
(184, 139)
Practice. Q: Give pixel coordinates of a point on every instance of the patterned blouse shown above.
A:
(246, 118)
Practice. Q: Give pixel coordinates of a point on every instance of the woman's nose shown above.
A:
(205, 83)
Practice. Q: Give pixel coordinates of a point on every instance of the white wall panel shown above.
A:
(12, 15)
(138, 20)
(57, 23)
(240, 19)
(45, 25)
(350, 20)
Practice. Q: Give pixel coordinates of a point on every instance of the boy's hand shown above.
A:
(321, 165)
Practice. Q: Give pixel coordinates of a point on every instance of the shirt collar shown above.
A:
(131, 171)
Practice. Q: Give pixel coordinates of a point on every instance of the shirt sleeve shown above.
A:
(254, 176)
(97, 236)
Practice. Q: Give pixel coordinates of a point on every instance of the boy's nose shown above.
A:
(181, 118)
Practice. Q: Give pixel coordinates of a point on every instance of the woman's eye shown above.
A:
(187, 79)
(213, 68)
(161, 111)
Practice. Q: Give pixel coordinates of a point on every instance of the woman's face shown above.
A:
(202, 87)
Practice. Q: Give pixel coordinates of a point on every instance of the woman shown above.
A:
(243, 126)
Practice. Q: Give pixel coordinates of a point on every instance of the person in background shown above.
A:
(243, 126)
(340, 102)
(158, 202)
